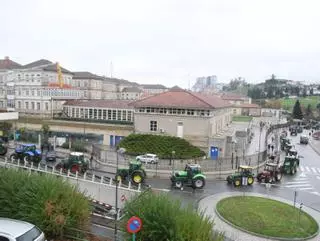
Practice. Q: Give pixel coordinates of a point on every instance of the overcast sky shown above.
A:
(168, 42)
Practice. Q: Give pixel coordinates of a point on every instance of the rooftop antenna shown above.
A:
(111, 69)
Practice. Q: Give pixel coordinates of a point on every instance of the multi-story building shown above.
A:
(153, 89)
(198, 118)
(33, 89)
(204, 84)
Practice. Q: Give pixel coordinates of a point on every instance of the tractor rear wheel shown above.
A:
(3, 151)
(137, 177)
(59, 166)
(250, 180)
(75, 168)
(237, 182)
(198, 182)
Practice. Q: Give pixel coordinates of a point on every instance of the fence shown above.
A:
(108, 156)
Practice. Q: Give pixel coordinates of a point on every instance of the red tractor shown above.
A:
(270, 174)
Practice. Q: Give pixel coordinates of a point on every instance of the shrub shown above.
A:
(51, 203)
(164, 219)
(163, 146)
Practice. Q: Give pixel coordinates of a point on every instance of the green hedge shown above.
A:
(164, 219)
(51, 203)
(137, 144)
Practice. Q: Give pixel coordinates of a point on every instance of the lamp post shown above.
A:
(120, 151)
(261, 126)
(171, 159)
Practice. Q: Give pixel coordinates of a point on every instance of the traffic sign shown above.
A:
(134, 225)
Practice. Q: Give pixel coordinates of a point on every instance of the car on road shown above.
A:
(304, 139)
(148, 158)
(16, 230)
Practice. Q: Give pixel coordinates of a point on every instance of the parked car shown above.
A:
(316, 135)
(16, 230)
(148, 158)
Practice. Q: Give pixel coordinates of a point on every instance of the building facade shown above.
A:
(194, 117)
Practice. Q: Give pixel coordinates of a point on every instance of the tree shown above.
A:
(304, 93)
(297, 112)
(165, 219)
(311, 91)
(45, 128)
(308, 112)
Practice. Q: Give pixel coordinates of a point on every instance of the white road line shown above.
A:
(305, 188)
(300, 185)
(318, 177)
(297, 182)
(307, 168)
(313, 169)
(318, 169)
(301, 168)
(316, 193)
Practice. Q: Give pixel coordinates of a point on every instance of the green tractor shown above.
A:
(3, 148)
(76, 162)
(191, 176)
(135, 173)
(293, 153)
(242, 177)
(289, 165)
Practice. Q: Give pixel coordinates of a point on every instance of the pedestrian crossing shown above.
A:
(309, 170)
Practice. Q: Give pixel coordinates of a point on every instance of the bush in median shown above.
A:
(163, 146)
(164, 219)
(51, 203)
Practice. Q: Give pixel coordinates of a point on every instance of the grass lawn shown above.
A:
(242, 118)
(288, 104)
(267, 217)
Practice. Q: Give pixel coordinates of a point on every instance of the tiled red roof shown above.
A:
(179, 98)
(117, 104)
(7, 63)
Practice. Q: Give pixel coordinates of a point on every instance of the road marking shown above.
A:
(297, 182)
(301, 168)
(302, 175)
(313, 169)
(318, 169)
(318, 177)
(307, 168)
(300, 185)
(306, 188)
(316, 193)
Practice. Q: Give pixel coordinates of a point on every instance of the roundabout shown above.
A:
(256, 217)
(267, 217)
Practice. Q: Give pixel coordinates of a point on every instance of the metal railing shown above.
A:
(86, 177)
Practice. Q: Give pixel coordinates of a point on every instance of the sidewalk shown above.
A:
(315, 145)
(208, 205)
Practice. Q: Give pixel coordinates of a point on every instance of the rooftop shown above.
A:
(179, 98)
(86, 75)
(7, 63)
(153, 86)
(233, 96)
(116, 104)
(132, 89)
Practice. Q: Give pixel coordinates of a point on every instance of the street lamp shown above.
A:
(233, 143)
(261, 126)
(119, 151)
(171, 159)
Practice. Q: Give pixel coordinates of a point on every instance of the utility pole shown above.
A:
(261, 125)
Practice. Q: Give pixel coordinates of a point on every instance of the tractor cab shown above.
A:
(289, 165)
(292, 152)
(76, 162)
(284, 142)
(245, 170)
(135, 165)
(192, 169)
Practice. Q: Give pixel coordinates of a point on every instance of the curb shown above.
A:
(261, 235)
(314, 148)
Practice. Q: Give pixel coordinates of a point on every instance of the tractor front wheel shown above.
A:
(119, 178)
(137, 177)
(237, 183)
(178, 184)
(13, 158)
(198, 182)
(27, 158)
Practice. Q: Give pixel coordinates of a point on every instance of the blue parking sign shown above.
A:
(214, 152)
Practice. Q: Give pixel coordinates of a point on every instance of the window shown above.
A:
(109, 115)
(119, 115)
(32, 234)
(27, 92)
(153, 125)
(47, 106)
(32, 106)
(124, 115)
(3, 238)
(19, 104)
(32, 92)
(114, 115)
(38, 106)
(27, 105)
(129, 116)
